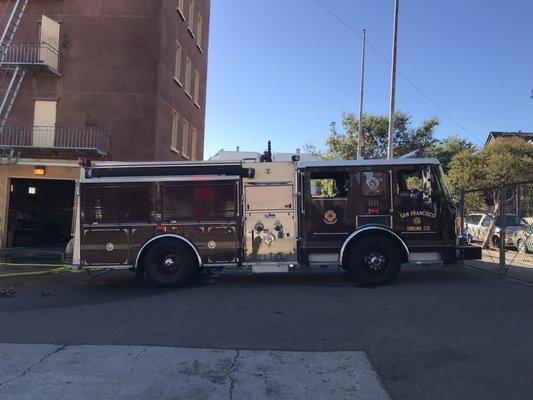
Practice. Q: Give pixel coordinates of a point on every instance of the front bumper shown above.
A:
(468, 252)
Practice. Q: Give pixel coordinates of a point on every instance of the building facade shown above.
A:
(121, 80)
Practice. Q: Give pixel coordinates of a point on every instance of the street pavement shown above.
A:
(438, 333)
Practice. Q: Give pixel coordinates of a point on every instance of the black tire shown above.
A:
(170, 262)
(374, 261)
(495, 241)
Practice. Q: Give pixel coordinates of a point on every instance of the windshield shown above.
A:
(443, 183)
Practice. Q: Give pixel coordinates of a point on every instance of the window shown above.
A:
(188, 71)
(473, 219)
(185, 139)
(415, 184)
(329, 185)
(197, 88)
(180, 6)
(191, 17)
(174, 132)
(199, 33)
(486, 222)
(194, 139)
(177, 67)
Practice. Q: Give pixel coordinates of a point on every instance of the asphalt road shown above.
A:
(438, 333)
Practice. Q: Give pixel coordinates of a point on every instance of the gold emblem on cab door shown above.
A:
(330, 217)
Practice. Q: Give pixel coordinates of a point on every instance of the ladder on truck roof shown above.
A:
(17, 74)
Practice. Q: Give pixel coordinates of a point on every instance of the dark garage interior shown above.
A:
(40, 213)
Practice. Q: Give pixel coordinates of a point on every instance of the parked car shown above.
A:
(523, 239)
(477, 226)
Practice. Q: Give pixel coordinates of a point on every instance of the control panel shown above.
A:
(269, 209)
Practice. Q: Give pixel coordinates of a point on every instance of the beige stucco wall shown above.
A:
(26, 171)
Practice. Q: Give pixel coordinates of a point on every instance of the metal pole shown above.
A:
(462, 209)
(393, 80)
(361, 94)
(503, 228)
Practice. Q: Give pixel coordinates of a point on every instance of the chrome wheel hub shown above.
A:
(169, 262)
(376, 262)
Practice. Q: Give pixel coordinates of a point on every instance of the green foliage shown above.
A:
(503, 160)
(445, 150)
(375, 133)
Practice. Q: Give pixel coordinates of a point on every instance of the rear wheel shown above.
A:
(170, 263)
(374, 261)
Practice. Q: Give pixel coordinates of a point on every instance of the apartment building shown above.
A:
(121, 80)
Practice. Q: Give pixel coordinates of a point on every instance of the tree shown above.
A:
(503, 160)
(375, 134)
(446, 149)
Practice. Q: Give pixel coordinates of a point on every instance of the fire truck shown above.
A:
(171, 220)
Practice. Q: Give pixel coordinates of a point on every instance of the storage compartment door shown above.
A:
(105, 246)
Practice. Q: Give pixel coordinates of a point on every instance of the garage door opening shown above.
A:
(40, 213)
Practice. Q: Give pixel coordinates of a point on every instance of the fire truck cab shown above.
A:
(170, 220)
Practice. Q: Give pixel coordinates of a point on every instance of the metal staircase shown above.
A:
(17, 74)
(11, 27)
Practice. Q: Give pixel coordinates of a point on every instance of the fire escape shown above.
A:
(17, 60)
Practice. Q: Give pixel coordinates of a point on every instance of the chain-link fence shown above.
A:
(500, 219)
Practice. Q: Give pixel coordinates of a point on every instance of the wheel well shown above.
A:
(376, 233)
(179, 239)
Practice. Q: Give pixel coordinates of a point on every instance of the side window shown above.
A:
(486, 222)
(329, 185)
(415, 184)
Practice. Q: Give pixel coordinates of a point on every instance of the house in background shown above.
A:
(527, 136)
(107, 80)
(239, 155)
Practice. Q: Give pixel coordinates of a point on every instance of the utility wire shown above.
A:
(386, 59)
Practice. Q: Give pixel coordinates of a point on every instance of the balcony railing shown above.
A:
(37, 55)
(51, 139)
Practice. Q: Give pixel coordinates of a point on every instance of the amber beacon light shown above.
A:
(39, 170)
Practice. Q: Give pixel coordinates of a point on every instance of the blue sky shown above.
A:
(284, 69)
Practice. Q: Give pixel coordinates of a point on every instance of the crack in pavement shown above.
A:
(228, 374)
(61, 348)
(132, 368)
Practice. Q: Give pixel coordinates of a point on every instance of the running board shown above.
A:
(270, 268)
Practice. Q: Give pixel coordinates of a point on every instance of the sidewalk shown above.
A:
(133, 372)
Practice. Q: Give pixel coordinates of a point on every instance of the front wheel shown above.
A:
(170, 262)
(374, 261)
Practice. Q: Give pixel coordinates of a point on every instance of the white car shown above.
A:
(477, 226)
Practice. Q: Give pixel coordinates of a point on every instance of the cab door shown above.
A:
(372, 193)
(328, 216)
(416, 204)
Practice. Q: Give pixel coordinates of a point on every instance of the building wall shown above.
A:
(117, 59)
(171, 92)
